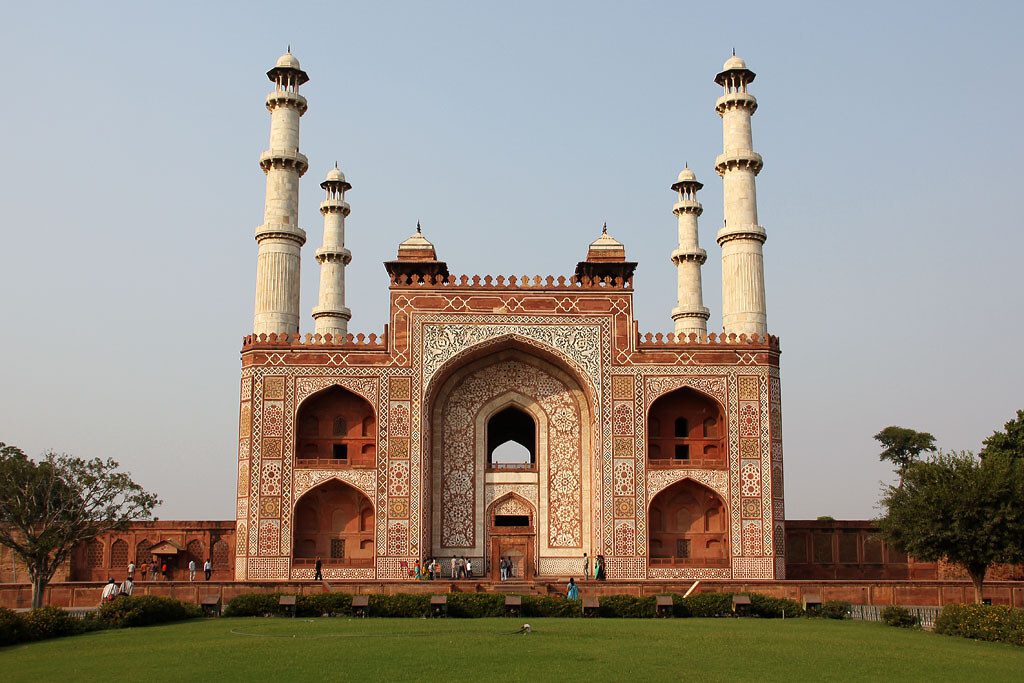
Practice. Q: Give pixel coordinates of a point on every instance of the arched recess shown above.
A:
(511, 440)
(334, 521)
(688, 527)
(543, 386)
(119, 554)
(686, 428)
(335, 428)
(511, 533)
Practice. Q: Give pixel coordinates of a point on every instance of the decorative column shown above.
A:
(690, 315)
(331, 315)
(741, 238)
(279, 237)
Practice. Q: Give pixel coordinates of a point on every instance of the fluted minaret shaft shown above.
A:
(331, 314)
(690, 315)
(741, 238)
(280, 238)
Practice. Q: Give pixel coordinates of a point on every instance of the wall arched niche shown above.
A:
(688, 527)
(686, 428)
(334, 521)
(336, 428)
(511, 440)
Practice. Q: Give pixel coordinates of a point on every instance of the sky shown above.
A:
(130, 191)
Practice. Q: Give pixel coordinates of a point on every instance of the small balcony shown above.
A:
(300, 562)
(511, 467)
(674, 453)
(689, 562)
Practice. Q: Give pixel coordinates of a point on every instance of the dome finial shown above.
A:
(335, 163)
(289, 50)
(419, 230)
(604, 228)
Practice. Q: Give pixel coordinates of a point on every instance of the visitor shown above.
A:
(127, 587)
(510, 568)
(109, 591)
(469, 569)
(504, 569)
(208, 568)
(599, 568)
(144, 570)
(416, 571)
(586, 567)
(455, 568)
(574, 591)
(155, 567)
(462, 567)
(437, 569)
(192, 570)
(131, 571)
(429, 568)
(163, 571)
(318, 576)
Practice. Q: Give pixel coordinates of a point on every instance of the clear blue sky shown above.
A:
(891, 134)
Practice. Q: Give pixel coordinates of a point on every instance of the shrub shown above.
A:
(627, 606)
(12, 627)
(901, 617)
(709, 604)
(144, 610)
(680, 610)
(329, 604)
(475, 605)
(834, 609)
(49, 622)
(773, 608)
(551, 606)
(400, 605)
(997, 623)
(253, 605)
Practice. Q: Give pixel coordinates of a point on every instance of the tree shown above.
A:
(958, 508)
(1009, 443)
(902, 446)
(48, 507)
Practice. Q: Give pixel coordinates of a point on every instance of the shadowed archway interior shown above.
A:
(335, 522)
(688, 527)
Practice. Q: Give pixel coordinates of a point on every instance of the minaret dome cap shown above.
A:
(734, 65)
(287, 63)
(686, 178)
(686, 174)
(336, 177)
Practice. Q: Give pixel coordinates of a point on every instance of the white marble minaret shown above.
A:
(280, 238)
(330, 314)
(741, 238)
(690, 315)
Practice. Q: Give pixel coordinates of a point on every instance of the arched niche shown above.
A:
(511, 440)
(336, 428)
(334, 521)
(688, 527)
(686, 428)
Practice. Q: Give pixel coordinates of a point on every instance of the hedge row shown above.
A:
(53, 622)
(997, 623)
(475, 605)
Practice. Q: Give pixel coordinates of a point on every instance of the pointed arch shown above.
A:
(688, 526)
(686, 428)
(331, 429)
(335, 521)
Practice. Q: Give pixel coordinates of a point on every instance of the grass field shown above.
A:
(483, 650)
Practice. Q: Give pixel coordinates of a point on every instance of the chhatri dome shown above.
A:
(686, 175)
(734, 62)
(288, 61)
(606, 248)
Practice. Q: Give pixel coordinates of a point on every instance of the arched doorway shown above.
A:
(686, 428)
(335, 522)
(688, 527)
(511, 534)
(511, 440)
(336, 428)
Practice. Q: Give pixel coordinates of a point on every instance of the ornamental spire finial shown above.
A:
(604, 228)
(418, 228)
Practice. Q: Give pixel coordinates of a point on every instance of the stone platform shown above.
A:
(880, 593)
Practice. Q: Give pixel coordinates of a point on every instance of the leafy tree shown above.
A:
(902, 446)
(958, 508)
(48, 507)
(1009, 443)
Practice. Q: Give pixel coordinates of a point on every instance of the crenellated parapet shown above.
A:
(665, 340)
(291, 341)
(512, 282)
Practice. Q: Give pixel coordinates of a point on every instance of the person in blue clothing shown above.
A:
(574, 590)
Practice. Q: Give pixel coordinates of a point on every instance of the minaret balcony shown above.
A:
(286, 98)
(343, 313)
(739, 159)
(284, 158)
(333, 255)
(695, 255)
(736, 100)
(335, 206)
(741, 232)
(688, 206)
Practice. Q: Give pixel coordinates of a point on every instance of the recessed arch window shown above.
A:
(336, 429)
(511, 439)
(684, 430)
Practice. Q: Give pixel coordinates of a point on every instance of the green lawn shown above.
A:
(483, 650)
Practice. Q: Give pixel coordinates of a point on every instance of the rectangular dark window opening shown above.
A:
(340, 451)
(682, 452)
(683, 548)
(511, 520)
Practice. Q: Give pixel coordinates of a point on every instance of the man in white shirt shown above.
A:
(131, 571)
(469, 568)
(191, 570)
(207, 569)
(127, 586)
(109, 591)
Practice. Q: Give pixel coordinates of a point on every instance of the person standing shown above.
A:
(144, 570)
(462, 567)
(154, 569)
(131, 571)
(510, 568)
(469, 569)
(192, 570)
(163, 570)
(127, 587)
(586, 567)
(109, 591)
(573, 593)
(504, 569)
(455, 568)
(318, 576)
(208, 568)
